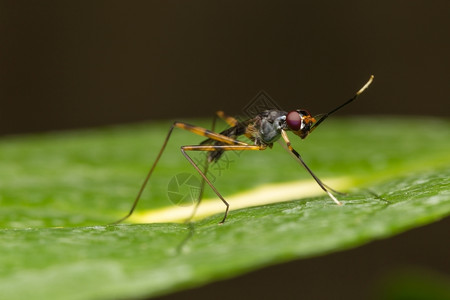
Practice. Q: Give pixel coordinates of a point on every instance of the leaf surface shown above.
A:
(57, 191)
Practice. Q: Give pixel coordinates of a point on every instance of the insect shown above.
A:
(262, 130)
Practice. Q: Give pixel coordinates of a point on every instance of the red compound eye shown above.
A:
(294, 120)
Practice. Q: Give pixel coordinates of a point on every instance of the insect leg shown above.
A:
(205, 171)
(209, 134)
(215, 148)
(230, 120)
(299, 158)
(325, 185)
(149, 174)
(194, 129)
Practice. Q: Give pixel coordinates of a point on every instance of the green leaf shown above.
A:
(58, 190)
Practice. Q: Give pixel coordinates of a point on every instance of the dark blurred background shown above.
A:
(72, 64)
(78, 64)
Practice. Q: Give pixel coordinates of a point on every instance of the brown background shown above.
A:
(75, 64)
(70, 64)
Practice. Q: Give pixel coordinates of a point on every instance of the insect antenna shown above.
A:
(361, 90)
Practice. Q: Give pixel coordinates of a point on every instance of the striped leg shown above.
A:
(215, 148)
(322, 185)
(194, 129)
(220, 114)
(230, 120)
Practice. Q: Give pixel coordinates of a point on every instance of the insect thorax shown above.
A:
(271, 123)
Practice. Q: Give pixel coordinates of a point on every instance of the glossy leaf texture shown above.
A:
(58, 190)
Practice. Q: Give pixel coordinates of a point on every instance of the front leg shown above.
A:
(299, 158)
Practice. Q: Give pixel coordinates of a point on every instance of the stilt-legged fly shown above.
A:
(262, 130)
